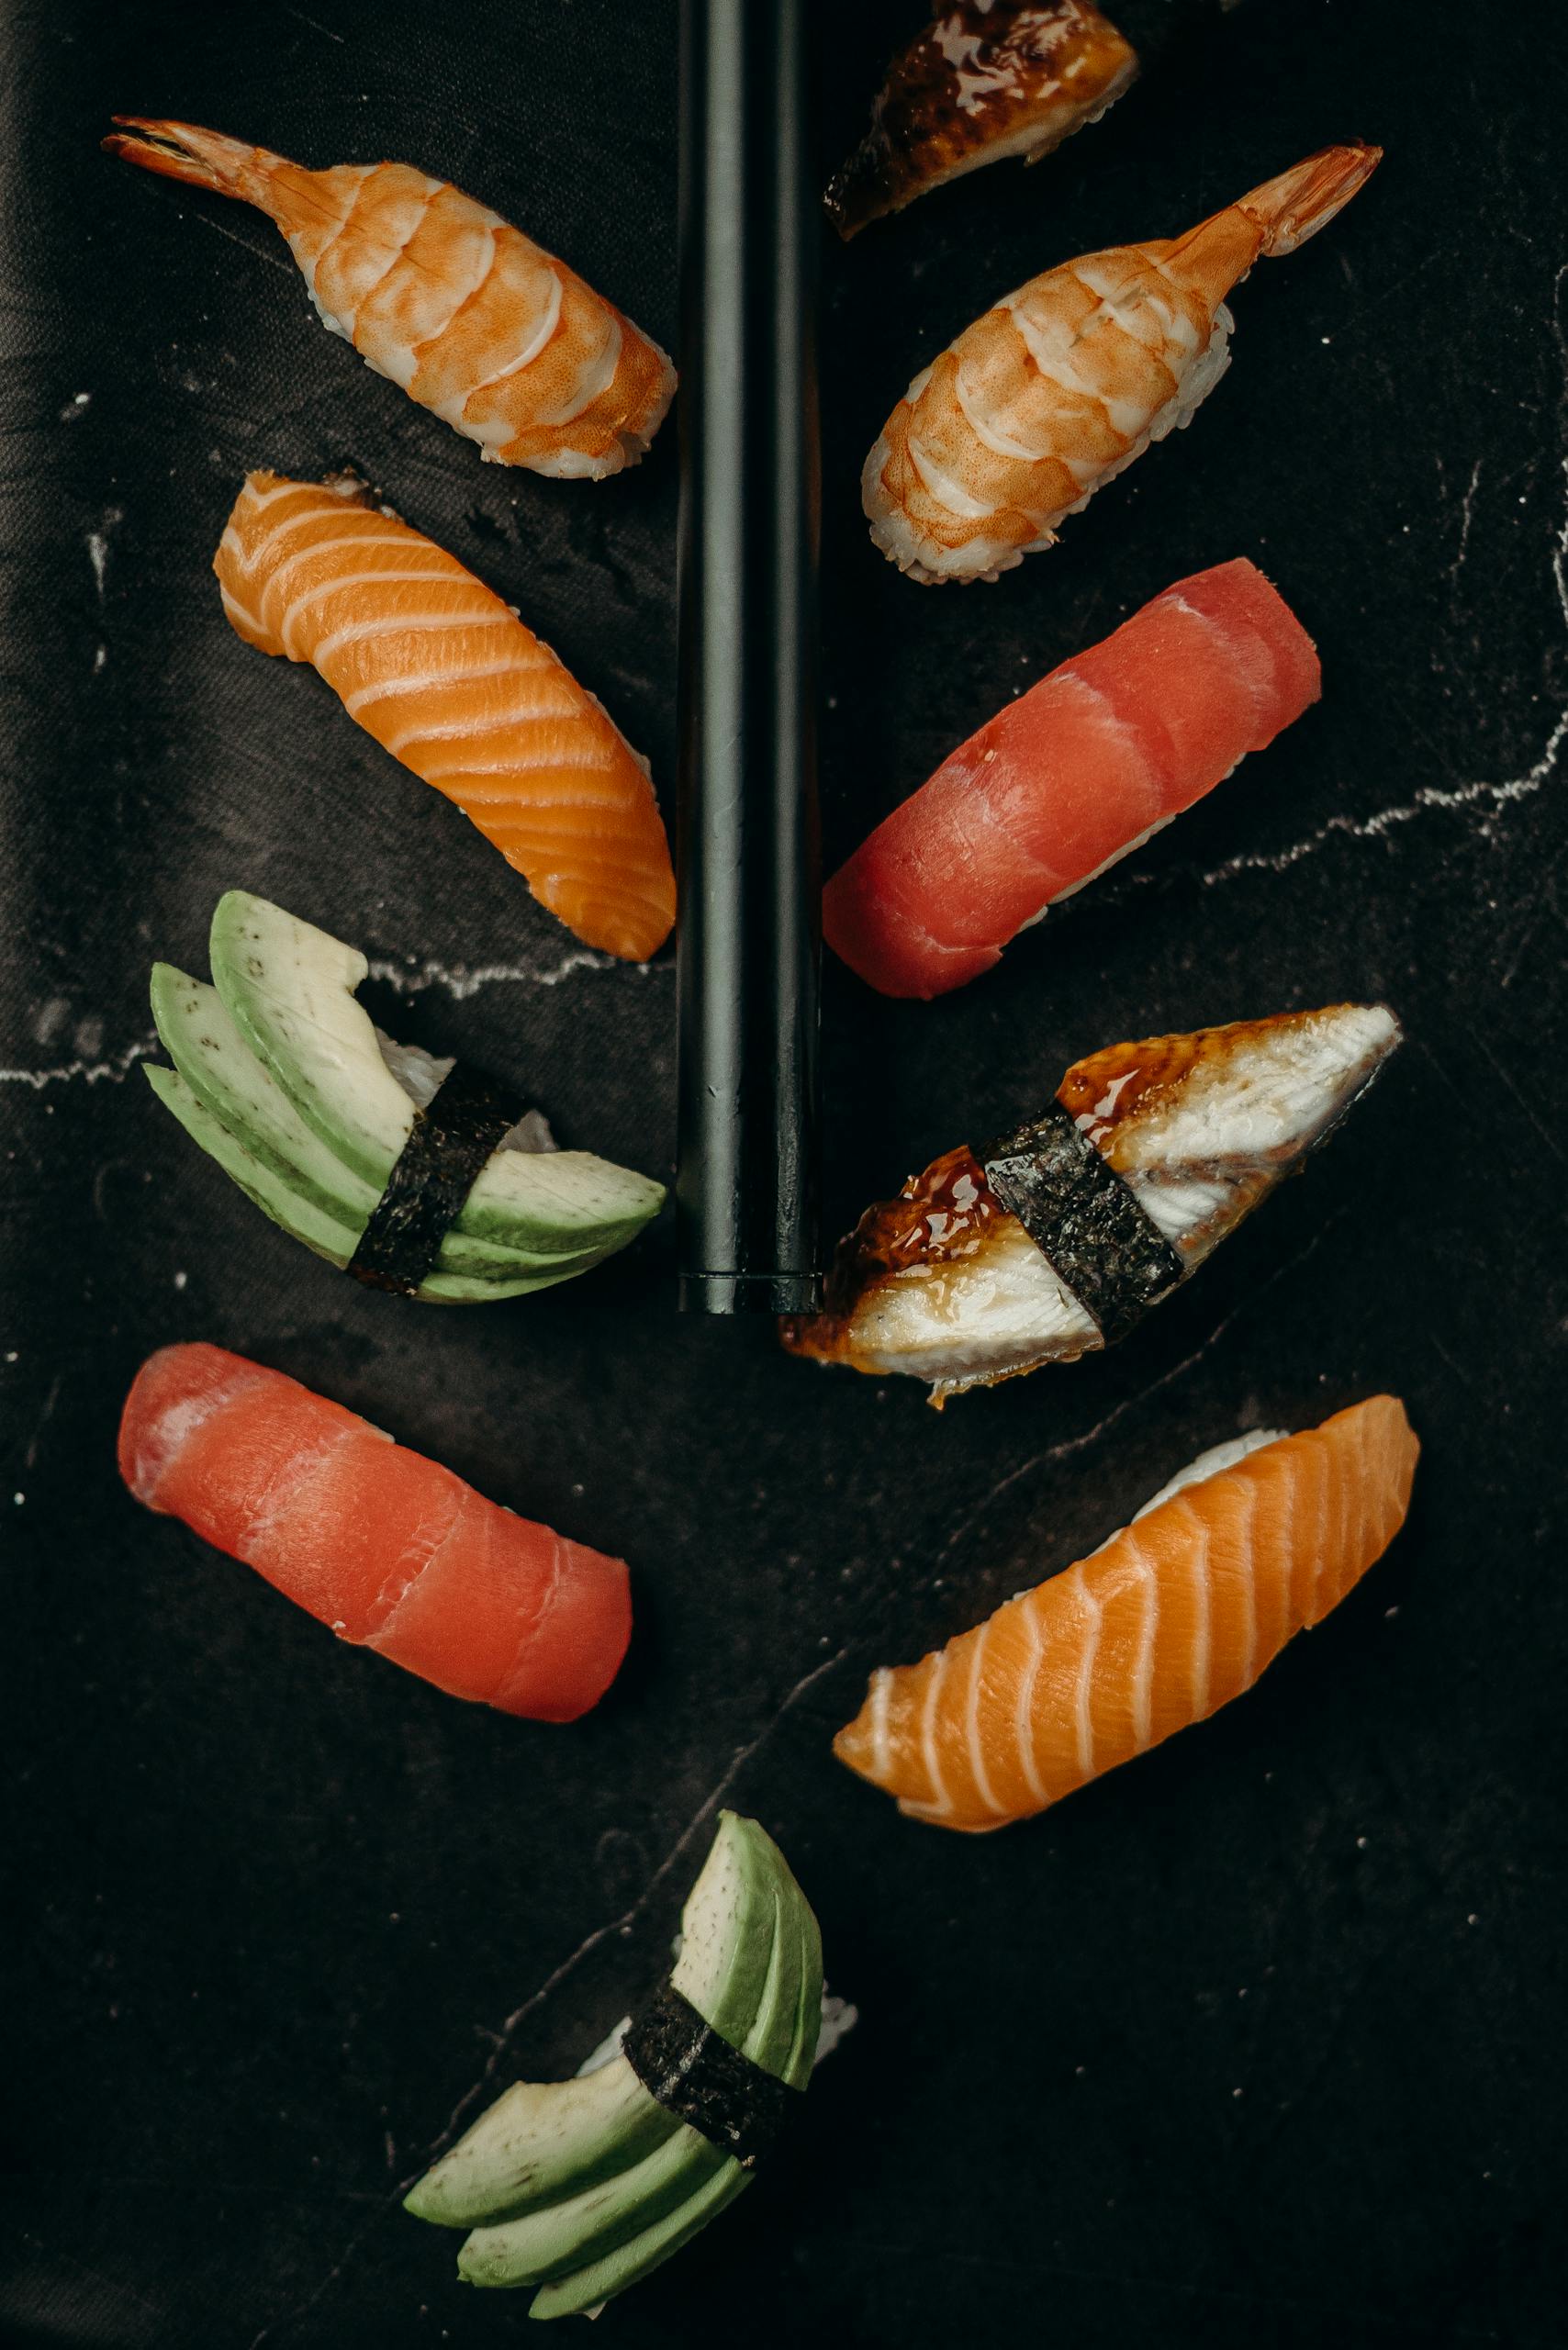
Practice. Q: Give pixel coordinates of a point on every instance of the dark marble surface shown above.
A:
(1260, 2040)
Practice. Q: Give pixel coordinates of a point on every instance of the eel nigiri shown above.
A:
(1058, 387)
(1058, 1240)
(392, 1551)
(463, 312)
(983, 80)
(1165, 1623)
(447, 678)
(1078, 772)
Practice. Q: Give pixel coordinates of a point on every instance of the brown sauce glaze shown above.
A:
(940, 1216)
(1110, 1088)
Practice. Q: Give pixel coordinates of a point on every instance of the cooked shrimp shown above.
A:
(470, 317)
(1059, 386)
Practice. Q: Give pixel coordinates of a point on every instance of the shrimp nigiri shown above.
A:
(388, 1547)
(1064, 383)
(447, 678)
(471, 317)
(1166, 1622)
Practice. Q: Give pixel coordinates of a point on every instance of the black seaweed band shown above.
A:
(694, 2073)
(1081, 1214)
(449, 1143)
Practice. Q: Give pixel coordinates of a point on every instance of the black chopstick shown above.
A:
(749, 871)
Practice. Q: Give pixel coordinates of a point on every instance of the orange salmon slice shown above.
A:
(1169, 1620)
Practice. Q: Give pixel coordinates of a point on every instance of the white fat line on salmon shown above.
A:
(1024, 1717)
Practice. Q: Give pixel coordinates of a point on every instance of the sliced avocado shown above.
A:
(612, 2272)
(600, 2280)
(224, 1075)
(538, 2141)
(299, 1217)
(546, 2140)
(587, 2227)
(290, 989)
(560, 2237)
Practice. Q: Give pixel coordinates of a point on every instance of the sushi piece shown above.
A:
(1166, 1622)
(461, 310)
(582, 2186)
(392, 1551)
(1078, 772)
(417, 1175)
(1058, 1240)
(1058, 387)
(447, 678)
(986, 79)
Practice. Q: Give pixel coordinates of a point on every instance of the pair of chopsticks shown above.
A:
(749, 873)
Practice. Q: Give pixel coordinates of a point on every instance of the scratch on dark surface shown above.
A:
(1466, 517)
(29, 1459)
(257, 252)
(1499, 1071)
(502, 2040)
(325, 30)
(1458, 796)
(113, 1071)
(1457, 1368)
(460, 980)
(922, 2247)
(1073, 1444)
(1540, 901)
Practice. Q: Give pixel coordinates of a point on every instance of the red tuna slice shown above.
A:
(1200, 678)
(388, 1547)
(1067, 779)
(1280, 658)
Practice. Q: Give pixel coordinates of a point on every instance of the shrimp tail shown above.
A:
(182, 151)
(1298, 203)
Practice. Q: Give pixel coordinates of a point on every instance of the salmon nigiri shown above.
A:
(392, 1551)
(1166, 1622)
(467, 315)
(449, 681)
(1077, 773)
(1062, 383)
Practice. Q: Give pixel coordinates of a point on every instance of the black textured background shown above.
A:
(1258, 2041)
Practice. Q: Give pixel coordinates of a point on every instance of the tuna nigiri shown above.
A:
(1059, 1239)
(1075, 774)
(449, 681)
(1166, 1622)
(1058, 387)
(392, 1551)
(467, 315)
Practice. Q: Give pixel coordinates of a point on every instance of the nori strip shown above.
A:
(1078, 1211)
(449, 1143)
(694, 2073)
